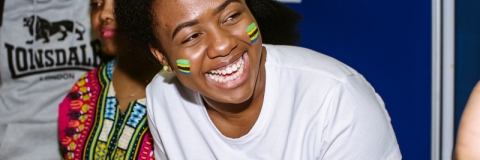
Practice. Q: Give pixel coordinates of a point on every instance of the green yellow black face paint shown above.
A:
(183, 66)
(252, 31)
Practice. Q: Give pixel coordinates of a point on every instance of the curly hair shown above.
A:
(277, 22)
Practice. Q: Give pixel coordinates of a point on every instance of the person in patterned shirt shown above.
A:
(104, 114)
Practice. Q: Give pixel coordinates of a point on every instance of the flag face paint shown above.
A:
(183, 66)
(252, 31)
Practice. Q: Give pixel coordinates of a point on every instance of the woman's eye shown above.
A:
(233, 17)
(191, 38)
(95, 5)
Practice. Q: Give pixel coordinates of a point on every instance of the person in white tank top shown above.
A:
(45, 46)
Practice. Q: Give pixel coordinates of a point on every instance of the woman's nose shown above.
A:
(107, 13)
(222, 42)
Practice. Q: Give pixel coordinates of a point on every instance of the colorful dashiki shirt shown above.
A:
(91, 126)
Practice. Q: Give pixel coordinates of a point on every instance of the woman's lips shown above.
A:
(231, 75)
(108, 32)
(229, 72)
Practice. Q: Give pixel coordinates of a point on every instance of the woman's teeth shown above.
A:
(228, 73)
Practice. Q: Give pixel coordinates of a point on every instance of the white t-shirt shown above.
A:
(45, 46)
(315, 107)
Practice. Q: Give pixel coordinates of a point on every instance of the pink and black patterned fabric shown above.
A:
(91, 126)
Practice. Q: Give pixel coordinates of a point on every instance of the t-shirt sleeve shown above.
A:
(358, 124)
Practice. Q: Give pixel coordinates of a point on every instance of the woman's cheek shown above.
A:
(253, 32)
(183, 66)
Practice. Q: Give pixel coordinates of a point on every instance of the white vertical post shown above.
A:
(443, 76)
(436, 79)
(448, 78)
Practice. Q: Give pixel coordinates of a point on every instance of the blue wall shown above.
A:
(467, 52)
(389, 42)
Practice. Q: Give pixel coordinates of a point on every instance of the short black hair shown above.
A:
(277, 22)
(135, 18)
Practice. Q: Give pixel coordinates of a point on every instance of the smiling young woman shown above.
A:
(227, 95)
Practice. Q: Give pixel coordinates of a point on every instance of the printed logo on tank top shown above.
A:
(43, 29)
(26, 60)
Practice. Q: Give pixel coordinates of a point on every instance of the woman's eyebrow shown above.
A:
(224, 5)
(184, 25)
(217, 10)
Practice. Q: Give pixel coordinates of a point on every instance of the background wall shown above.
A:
(467, 52)
(389, 42)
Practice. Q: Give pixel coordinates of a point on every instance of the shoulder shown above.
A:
(468, 137)
(166, 96)
(163, 80)
(87, 80)
(164, 88)
(85, 84)
(307, 61)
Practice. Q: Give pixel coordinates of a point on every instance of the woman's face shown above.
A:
(224, 61)
(104, 25)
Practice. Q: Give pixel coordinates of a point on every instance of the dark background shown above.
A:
(467, 52)
(389, 42)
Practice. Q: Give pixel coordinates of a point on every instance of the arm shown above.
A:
(69, 113)
(468, 137)
(359, 125)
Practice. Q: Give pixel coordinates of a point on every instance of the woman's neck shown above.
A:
(129, 81)
(127, 72)
(236, 120)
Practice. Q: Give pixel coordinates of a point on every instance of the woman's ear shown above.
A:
(157, 54)
(161, 58)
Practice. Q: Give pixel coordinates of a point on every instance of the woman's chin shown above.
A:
(233, 98)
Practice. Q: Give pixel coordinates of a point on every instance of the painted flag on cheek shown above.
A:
(183, 66)
(252, 31)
